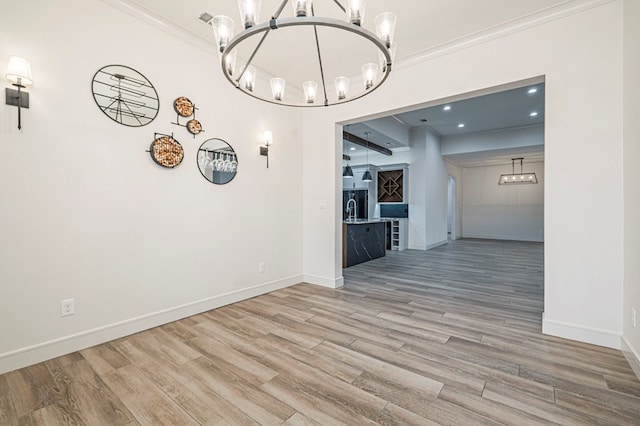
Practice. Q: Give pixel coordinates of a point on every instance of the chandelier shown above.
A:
(514, 178)
(324, 81)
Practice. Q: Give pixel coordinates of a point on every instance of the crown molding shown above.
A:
(160, 22)
(523, 23)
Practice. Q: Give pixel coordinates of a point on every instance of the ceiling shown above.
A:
(422, 25)
(503, 110)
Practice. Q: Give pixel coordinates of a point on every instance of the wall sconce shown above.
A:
(19, 73)
(268, 140)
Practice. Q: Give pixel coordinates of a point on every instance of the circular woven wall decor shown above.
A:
(166, 151)
(183, 106)
(194, 126)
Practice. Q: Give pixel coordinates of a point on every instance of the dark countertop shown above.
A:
(364, 221)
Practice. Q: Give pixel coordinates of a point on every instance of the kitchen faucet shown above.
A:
(352, 212)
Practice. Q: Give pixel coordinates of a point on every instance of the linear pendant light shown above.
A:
(514, 178)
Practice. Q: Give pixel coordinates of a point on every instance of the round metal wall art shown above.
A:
(125, 95)
(166, 151)
(183, 106)
(217, 161)
(194, 126)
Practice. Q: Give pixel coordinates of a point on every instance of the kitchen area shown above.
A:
(375, 212)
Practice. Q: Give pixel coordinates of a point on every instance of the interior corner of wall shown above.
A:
(632, 355)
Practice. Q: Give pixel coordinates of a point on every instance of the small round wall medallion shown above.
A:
(166, 151)
(125, 95)
(183, 106)
(194, 127)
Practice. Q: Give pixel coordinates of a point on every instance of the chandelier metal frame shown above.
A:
(277, 23)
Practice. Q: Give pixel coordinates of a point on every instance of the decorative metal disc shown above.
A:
(166, 151)
(194, 127)
(183, 106)
(125, 95)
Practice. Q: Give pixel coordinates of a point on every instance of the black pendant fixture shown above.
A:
(366, 177)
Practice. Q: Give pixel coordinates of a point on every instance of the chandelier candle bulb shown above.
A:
(369, 75)
(386, 27)
(223, 29)
(249, 78)
(342, 87)
(355, 11)
(383, 60)
(310, 90)
(230, 62)
(301, 8)
(249, 11)
(277, 88)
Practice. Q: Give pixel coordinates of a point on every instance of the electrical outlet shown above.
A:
(634, 318)
(67, 307)
(261, 267)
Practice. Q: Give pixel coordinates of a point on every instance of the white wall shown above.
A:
(503, 212)
(86, 214)
(631, 179)
(455, 172)
(580, 56)
(523, 137)
(418, 175)
(435, 186)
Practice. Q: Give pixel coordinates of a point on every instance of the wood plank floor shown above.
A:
(450, 336)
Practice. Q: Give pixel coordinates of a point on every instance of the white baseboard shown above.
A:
(502, 237)
(324, 281)
(24, 357)
(428, 247)
(606, 338)
(438, 244)
(632, 356)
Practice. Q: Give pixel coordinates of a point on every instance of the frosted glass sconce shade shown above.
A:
(369, 75)
(223, 30)
(342, 87)
(249, 12)
(249, 78)
(301, 8)
(277, 88)
(310, 91)
(392, 52)
(19, 71)
(355, 11)
(386, 27)
(230, 62)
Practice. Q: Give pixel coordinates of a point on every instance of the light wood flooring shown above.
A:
(450, 336)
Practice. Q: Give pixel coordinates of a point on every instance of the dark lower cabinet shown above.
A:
(362, 242)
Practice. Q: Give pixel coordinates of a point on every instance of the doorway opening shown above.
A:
(451, 208)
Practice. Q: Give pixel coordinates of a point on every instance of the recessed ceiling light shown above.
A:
(352, 149)
(534, 114)
(447, 107)
(461, 125)
(532, 90)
